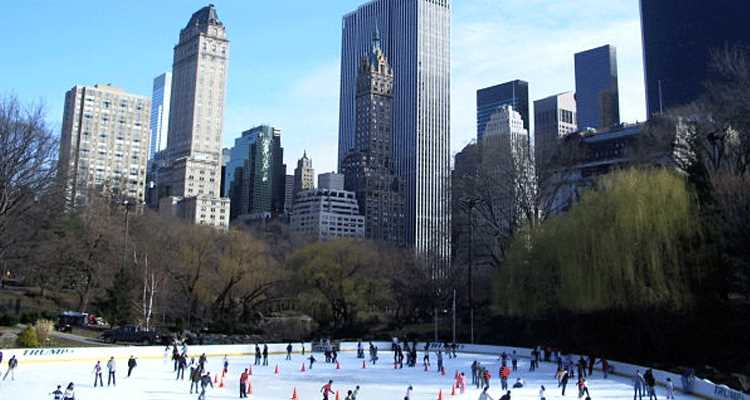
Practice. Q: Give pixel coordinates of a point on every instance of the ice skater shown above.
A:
(670, 389)
(181, 366)
(205, 381)
(98, 374)
(506, 396)
(57, 393)
(258, 354)
(226, 365)
(583, 388)
(564, 381)
(12, 365)
(327, 389)
(485, 395)
(514, 361)
(408, 393)
(312, 360)
(440, 361)
(289, 352)
(244, 379)
(650, 384)
(265, 354)
(70, 393)
(638, 385)
(111, 368)
(195, 378)
(542, 395)
(131, 365)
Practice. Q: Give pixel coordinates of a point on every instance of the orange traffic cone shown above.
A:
(364, 364)
(221, 383)
(453, 390)
(276, 371)
(440, 395)
(249, 388)
(216, 379)
(337, 395)
(294, 394)
(338, 366)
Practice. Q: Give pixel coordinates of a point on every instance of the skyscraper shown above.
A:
(369, 166)
(416, 40)
(304, 174)
(489, 100)
(597, 98)
(255, 174)
(678, 38)
(554, 117)
(192, 169)
(160, 98)
(104, 143)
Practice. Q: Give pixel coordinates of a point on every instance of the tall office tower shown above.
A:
(288, 193)
(104, 143)
(416, 40)
(369, 166)
(196, 119)
(489, 100)
(255, 174)
(554, 118)
(304, 174)
(597, 98)
(160, 98)
(678, 39)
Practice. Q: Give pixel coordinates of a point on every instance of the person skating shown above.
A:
(583, 388)
(334, 356)
(244, 378)
(205, 381)
(504, 375)
(181, 366)
(202, 360)
(57, 393)
(70, 393)
(175, 357)
(484, 395)
(542, 394)
(327, 389)
(289, 352)
(312, 360)
(461, 383)
(605, 367)
(650, 384)
(518, 384)
(592, 362)
(474, 366)
(360, 350)
(195, 378)
(355, 393)
(265, 354)
(670, 389)
(226, 364)
(111, 367)
(638, 385)
(440, 360)
(486, 376)
(98, 374)
(408, 393)
(131, 365)
(258, 354)
(564, 381)
(506, 396)
(514, 361)
(12, 365)
(581, 367)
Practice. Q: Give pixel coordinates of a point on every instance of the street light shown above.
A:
(470, 203)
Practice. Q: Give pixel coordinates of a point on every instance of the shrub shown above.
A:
(8, 320)
(43, 328)
(27, 338)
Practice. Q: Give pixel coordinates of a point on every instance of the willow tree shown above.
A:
(631, 243)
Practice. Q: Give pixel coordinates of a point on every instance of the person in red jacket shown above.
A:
(244, 378)
(326, 389)
(504, 375)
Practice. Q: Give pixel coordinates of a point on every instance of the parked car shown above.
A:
(67, 320)
(131, 334)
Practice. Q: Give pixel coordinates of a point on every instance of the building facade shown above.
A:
(327, 214)
(489, 100)
(597, 95)
(678, 38)
(255, 174)
(193, 161)
(554, 117)
(369, 166)
(304, 174)
(104, 143)
(288, 193)
(331, 180)
(160, 98)
(415, 37)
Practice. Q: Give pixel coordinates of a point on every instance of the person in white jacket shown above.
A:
(111, 367)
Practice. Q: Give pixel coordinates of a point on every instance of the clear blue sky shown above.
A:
(284, 62)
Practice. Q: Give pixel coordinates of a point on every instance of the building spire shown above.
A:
(376, 39)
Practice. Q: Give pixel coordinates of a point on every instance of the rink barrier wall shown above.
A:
(701, 387)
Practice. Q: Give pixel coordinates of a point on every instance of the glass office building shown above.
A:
(678, 38)
(491, 99)
(597, 97)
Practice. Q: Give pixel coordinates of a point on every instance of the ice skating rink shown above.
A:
(155, 380)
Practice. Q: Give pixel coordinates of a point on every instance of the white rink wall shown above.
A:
(701, 387)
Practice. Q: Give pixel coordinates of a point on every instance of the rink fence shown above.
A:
(700, 387)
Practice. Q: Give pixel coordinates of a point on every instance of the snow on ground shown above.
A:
(155, 380)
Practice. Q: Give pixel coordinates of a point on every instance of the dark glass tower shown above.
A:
(597, 97)
(513, 93)
(678, 37)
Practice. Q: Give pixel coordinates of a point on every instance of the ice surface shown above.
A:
(155, 380)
